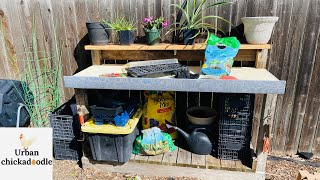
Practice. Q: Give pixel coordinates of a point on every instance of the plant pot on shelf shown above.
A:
(258, 30)
(98, 34)
(152, 36)
(188, 36)
(126, 37)
(201, 115)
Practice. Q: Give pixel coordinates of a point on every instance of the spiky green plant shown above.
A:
(120, 22)
(40, 73)
(193, 19)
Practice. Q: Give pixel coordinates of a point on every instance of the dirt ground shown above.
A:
(278, 168)
(70, 170)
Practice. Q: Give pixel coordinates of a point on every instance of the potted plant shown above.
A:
(152, 28)
(191, 24)
(98, 33)
(125, 28)
(258, 30)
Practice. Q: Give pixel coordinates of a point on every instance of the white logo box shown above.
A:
(26, 153)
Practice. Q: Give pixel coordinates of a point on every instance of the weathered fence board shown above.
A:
(285, 102)
(294, 56)
(306, 68)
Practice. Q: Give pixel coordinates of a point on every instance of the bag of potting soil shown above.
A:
(153, 142)
(219, 55)
(159, 109)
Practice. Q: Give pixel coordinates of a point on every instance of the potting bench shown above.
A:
(255, 80)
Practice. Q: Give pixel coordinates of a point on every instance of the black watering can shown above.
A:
(198, 142)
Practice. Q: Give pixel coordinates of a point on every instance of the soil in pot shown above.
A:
(98, 34)
(126, 37)
(152, 36)
(187, 36)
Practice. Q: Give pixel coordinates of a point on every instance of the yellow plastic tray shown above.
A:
(90, 127)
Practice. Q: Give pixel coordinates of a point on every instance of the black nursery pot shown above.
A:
(98, 34)
(187, 34)
(126, 37)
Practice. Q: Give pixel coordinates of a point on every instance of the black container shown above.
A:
(187, 35)
(11, 93)
(98, 34)
(67, 149)
(236, 113)
(64, 121)
(126, 37)
(112, 148)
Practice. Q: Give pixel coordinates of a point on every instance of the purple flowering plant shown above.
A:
(149, 23)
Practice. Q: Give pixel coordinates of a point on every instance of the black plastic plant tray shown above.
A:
(108, 113)
(142, 71)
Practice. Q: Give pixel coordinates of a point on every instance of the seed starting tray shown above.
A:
(142, 71)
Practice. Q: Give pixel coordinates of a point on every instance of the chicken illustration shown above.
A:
(25, 142)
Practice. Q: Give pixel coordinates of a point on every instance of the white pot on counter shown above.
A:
(258, 30)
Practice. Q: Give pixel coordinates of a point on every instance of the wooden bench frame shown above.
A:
(265, 104)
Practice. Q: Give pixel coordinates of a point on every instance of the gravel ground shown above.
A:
(283, 168)
(286, 168)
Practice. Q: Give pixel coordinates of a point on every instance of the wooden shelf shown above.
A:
(163, 46)
(184, 158)
(250, 80)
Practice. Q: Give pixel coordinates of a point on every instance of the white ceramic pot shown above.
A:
(258, 30)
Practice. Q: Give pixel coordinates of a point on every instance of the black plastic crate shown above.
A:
(234, 130)
(234, 148)
(66, 149)
(64, 122)
(62, 126)
(232, 142)
(236, 107)
(112, 148)
(242, 154)
(236, 113)
(235, 121)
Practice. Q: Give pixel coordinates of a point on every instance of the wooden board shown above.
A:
(284, 109)
(228, 164)
(155, 159)
(304, 120)
(250, 80)
(132, 157)
(164, 46)
(198, 160)
(141, 158)
(243, 55)
(170, 171)
(184, 157)
(212, 162)
(170, 158)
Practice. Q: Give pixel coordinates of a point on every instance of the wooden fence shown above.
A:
(294, 58)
